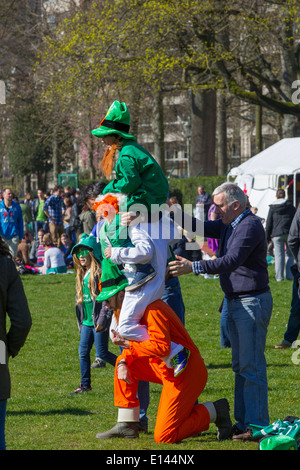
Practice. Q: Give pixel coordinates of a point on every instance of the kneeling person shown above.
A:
(178, 417)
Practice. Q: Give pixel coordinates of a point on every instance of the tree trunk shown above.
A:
(221, 134)
(290, 127)
(221, 118)
(158, 129)
(135, 115)
(27, 184)
(91, 159)
(203, 140)
(55, 162)
(290, 68)
(91, 152)
(258, 128)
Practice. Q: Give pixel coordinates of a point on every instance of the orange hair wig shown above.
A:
(108, 207)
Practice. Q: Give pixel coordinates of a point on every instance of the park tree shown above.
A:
(212, 49)
(18, 31)
(28, 152)
(90, 61)
(247, 50)
(22, 30)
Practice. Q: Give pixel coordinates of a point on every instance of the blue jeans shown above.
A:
(144, 399)
(225, 339)
(2, 424)
(293, 327)
(248, 320)
(173, 297)
(40, 224)
(88, 337)
(101, 347)
(281, 249)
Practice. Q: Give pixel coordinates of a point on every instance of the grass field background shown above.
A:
(42, 415)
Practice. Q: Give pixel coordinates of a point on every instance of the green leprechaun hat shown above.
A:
(112, 280)
(90, 242)
(116, 121)
(278, 442)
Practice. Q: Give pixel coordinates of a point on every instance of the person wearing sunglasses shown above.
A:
(93, 317)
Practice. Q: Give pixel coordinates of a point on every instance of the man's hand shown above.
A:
(123, 373)
(119, 340)
(130, 218)
(107, 252)
(181, 266)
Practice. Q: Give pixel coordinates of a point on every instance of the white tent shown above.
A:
(263, 174)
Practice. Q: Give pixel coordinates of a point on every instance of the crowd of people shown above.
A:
(41, 231)
(127, 253)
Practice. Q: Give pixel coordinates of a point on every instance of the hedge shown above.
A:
(186, 189)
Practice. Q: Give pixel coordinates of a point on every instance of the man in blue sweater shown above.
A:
(11, 221)
(243, 272)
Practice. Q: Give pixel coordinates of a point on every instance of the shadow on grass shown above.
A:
(67, 411)
(270, 364)
(219, 366)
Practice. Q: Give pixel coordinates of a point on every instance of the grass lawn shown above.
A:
(42, 415)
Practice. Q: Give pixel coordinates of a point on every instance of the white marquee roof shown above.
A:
(282, 158)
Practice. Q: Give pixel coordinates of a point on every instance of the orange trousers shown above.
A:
(178, 417)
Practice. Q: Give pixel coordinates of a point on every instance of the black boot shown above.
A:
(223, 421)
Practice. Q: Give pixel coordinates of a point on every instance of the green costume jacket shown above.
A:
(139, 176)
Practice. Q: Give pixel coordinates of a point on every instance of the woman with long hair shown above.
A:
(54, 260)
(93, 317)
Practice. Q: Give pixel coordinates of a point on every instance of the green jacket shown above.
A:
(139, 176)
(114, 234)
(13, 302)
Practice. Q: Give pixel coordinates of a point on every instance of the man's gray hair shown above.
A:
(232, 193)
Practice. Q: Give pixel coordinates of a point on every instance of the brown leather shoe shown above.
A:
(244, 436)
(282, 346)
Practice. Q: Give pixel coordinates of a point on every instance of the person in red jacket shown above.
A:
(178, 416)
